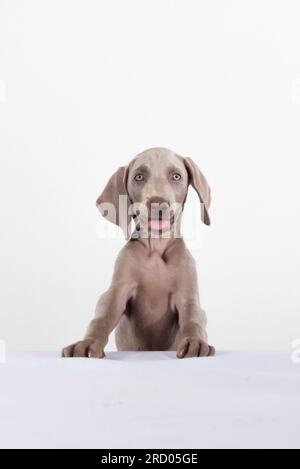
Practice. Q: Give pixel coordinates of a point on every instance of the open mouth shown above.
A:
(160, 224)
(156, 221)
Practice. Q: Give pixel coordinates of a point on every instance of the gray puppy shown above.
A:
(153, 299)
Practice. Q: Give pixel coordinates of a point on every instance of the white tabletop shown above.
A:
(150, 400)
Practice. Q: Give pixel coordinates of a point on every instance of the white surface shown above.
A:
(150, 400)
(91, 83)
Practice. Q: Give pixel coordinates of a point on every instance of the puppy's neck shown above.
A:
(158, 243)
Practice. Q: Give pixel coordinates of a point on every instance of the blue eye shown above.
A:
(176, 176)
(139, 177)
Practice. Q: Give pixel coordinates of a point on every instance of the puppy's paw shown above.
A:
(194, 347)
(85, 348)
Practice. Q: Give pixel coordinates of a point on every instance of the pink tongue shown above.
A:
(158, 224)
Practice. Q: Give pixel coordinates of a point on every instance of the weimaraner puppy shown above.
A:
(153, 298)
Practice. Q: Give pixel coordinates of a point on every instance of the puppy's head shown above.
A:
(152, 189)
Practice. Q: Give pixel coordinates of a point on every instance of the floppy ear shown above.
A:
(113, 203)
(200, 184)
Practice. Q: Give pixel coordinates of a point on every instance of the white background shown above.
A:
(85, 85)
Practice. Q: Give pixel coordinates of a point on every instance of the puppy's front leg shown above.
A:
(109, 310)
(192, 323)
(191, 317)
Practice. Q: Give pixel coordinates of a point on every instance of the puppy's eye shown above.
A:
(139, 177)
(176, 177)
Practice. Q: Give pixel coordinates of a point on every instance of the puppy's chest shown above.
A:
(156, 283)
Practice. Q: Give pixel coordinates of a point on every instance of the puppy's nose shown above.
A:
(158, 207)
